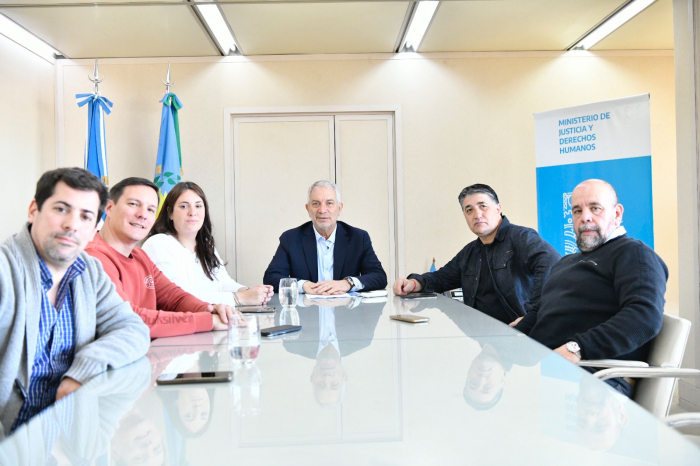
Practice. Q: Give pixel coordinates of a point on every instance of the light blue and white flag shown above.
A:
(169, 159)
(95, 142)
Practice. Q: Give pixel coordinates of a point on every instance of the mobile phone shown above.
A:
(412, 318)
(279, 330)
(420, 295)
(255, 309)
(194, 377)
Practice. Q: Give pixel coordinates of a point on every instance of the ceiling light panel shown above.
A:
(652, 29)
(215, 22)
(26, 39)
(118, 31)
(513, 25)
(611, 24)
(422, 17)
(298, 28)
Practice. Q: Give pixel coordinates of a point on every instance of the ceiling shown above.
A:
(170, 28)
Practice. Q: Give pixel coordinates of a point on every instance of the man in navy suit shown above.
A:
(326, 256)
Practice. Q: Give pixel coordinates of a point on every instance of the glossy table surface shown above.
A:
(353, 387)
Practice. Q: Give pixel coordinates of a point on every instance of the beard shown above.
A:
(588, 243)
(60, 253)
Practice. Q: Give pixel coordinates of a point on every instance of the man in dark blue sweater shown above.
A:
(606, 301)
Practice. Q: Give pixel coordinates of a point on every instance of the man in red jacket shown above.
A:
(167, 309)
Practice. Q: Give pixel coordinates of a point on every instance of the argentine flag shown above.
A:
(169, 158)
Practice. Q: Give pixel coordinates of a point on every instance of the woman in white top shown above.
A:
(181, 244)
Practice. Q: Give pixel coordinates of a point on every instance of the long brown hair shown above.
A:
(204, 239)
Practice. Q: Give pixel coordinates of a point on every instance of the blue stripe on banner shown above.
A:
(630, 177)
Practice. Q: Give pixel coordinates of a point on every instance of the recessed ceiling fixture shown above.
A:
(216, 25)
(620, 17)
(26, 39)
(420, 20)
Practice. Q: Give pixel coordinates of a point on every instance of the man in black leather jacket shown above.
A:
(502, 272)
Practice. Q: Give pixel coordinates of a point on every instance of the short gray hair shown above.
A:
(324, 184)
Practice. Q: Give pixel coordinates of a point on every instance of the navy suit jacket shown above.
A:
(353, 256)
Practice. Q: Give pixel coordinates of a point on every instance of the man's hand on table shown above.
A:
(327, 287)
(403, 286)
(224, 311)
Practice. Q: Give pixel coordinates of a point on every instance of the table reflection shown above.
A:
(329, 334)
(79, 428)
(359, 386)
(592, 414)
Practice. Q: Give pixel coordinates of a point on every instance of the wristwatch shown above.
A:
(350, 281)
(573, 347)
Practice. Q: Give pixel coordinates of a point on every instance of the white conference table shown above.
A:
(387, 393)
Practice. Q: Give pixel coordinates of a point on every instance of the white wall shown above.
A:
(27, 146)
(467, 118)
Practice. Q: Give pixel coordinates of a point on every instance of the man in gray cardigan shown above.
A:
(61, 320)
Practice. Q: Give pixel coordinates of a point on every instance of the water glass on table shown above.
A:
(289, 292)
(244, 338)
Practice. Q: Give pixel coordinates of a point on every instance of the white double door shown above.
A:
(276, 159)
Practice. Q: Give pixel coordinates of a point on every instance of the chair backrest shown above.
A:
(666, 351)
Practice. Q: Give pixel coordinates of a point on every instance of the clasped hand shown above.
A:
(221, 313)
(259, 294)
(327, 287)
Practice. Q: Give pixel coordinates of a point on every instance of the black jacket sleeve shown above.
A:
(539, 257)
(446, 278)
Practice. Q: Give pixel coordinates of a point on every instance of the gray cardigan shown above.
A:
(108, 334)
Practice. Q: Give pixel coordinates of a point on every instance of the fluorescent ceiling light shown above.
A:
(26, 39)
(218, 26)
(623, 15)
(422, 16)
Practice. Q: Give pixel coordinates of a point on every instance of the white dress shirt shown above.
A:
(324, 260)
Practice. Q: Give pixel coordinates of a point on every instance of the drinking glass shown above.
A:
(244, 338)
(289, 292)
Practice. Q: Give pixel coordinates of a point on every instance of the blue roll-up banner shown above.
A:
(608, 140)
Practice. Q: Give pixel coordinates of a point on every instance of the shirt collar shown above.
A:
(331, 239)
(502, 228)
(619, 231)
(46, 277)
(75, 269)
(500, 234)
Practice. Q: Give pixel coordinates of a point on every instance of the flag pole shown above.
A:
(166, 81)
(95, 79)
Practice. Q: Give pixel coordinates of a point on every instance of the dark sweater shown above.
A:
(610, 301)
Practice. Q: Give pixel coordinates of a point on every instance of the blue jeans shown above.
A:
(622, 386)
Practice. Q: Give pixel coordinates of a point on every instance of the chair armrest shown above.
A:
(646, 372)
(683, 419)
(606, 363)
